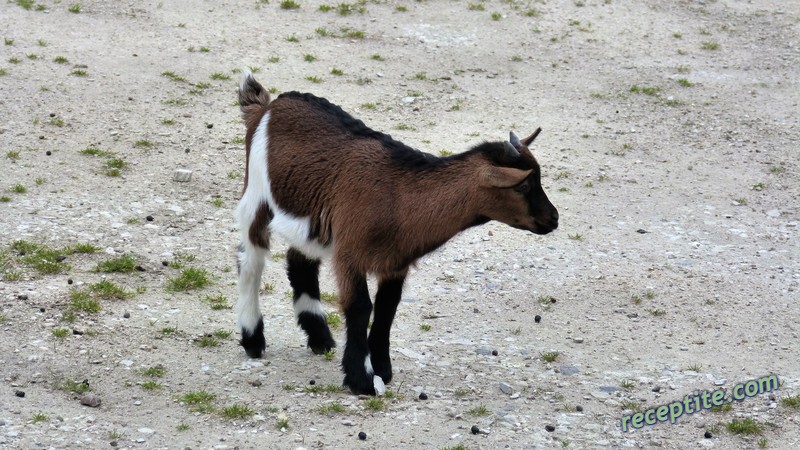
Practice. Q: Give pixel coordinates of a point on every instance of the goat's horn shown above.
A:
(514, 139)
(510, 150)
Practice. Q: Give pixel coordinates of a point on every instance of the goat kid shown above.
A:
(335, 189)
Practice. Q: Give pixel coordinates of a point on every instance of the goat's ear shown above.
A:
(502, 177)
(529, 140)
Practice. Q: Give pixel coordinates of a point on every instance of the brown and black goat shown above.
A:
(333, 188)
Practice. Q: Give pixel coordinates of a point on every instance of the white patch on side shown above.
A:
(306, 304)
(294, 230)
(368, 366)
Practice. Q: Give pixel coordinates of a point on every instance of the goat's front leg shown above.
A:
(356, 364)
(388, 296)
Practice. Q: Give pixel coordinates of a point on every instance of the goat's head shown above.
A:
(512, 180)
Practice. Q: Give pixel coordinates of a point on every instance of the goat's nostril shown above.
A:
(555, 215)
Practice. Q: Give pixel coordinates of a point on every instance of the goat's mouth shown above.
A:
(542, 228)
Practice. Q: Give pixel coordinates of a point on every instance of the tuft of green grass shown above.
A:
(646, 90)
(575, 237)
(173, 76)
(155, 372)
(334, 320)
(217, 302)
(282, 423)
(289, 4)
(206, 341)
(61, 60)
(236, 412)
(38, 417)
(375, 404)
(18, 189)
(191, 278)
(222, 334)
(746, 426)
(74, 386)
(4, 199)
(12, 155)
(478, 411)
(182, 427)
(329, 297)
(684, 82)
(337, 72)
(220, 76)
(94, 151)
(108, 290)
(709, 45)
(377, 57)
(496, 16)
(792, 401)
(476, 7)
(627, 384)
(199, 401)
(425, 327)
(14, 60)
(630, 404)
(695, 368)
(330, 354)
(549, 356)
(308, 57)
(169, 330)
(331, 408)
(79, 73)
(143, 143)
(658, 312)
(124, 264)
(40, 258)
(150, 385)
(314, 79)
(82, 301)
(74, 8)
(8, 41)
(722, 408)
(61, 333)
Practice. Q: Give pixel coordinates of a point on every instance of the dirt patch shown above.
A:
(669, 146)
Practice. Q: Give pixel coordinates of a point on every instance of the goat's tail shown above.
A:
(252, 96)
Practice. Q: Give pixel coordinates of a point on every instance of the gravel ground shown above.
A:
(670, 147)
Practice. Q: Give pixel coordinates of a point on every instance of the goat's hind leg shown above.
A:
(304, 277)
(248, 312)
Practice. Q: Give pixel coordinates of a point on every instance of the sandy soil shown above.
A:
(670, 147)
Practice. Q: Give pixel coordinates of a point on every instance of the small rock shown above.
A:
(362, 435)
(483, 351)
(209, 125)
(707, 434)
(60, 258)
(149, 218)
(182, 175)
(126, 315)
(78, 332)
(257, 383)
(641, 231)
(550, 428)
(146, 430)
(720, 382)
(347, 423)
(506, 388)
(537, 319)
(22, 297)
(475, 429)
(567, 369)
(579, 408)
(494, 353)
(139, 269)
(113, 443)
(90, 400)
(577, 340)
(423, 396)
(19, 394)
(312, 382)
(41, 309)
(48, 153)
(69, 281)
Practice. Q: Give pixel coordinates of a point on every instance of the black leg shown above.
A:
(356, 364)
(304, 277)
(386, 300)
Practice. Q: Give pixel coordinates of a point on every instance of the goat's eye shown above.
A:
(523, 187)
